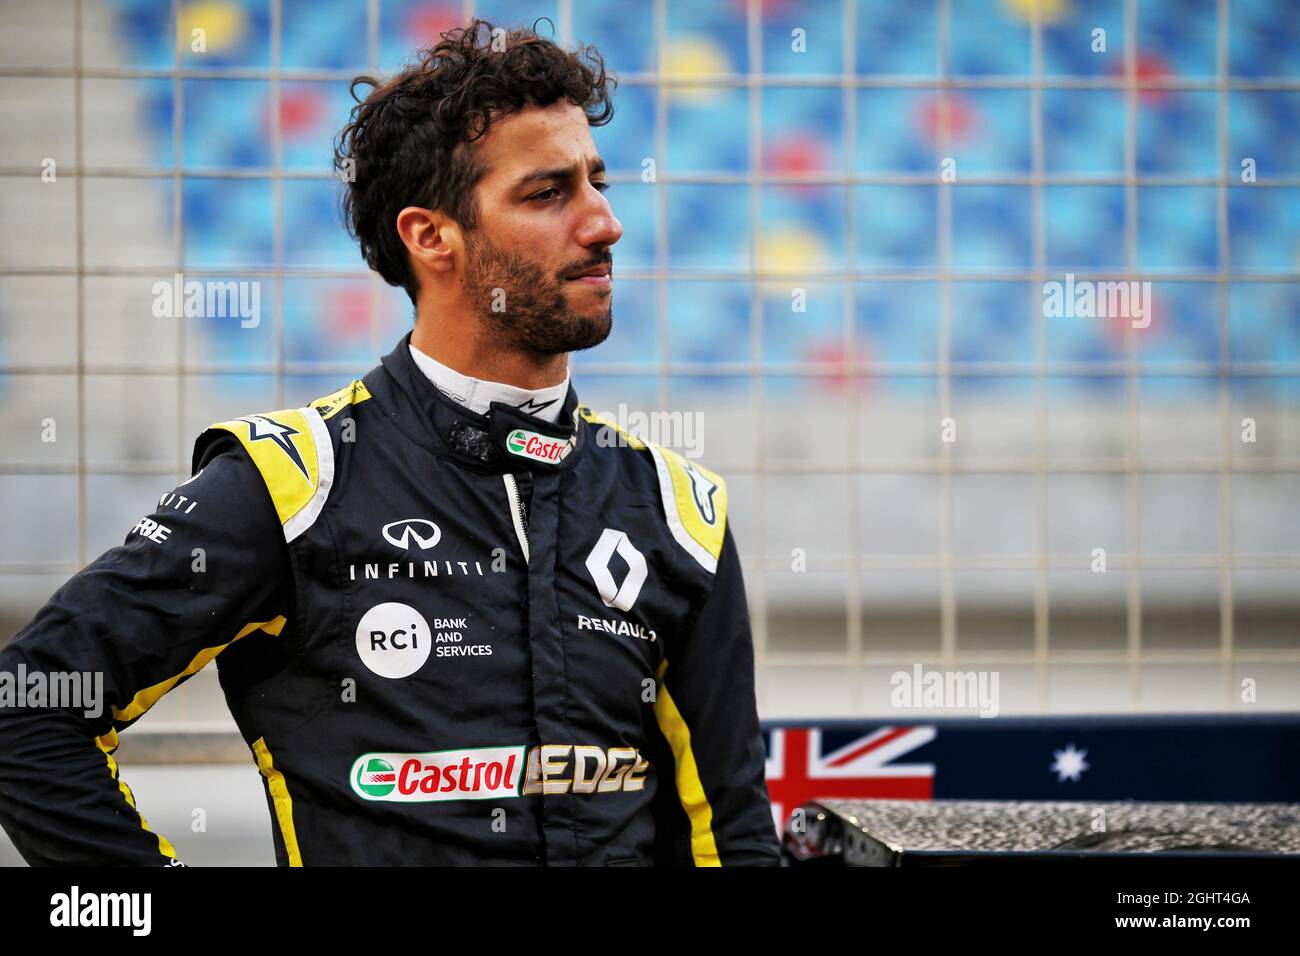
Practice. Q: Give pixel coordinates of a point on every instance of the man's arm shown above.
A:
(706, 709)
(205, 569)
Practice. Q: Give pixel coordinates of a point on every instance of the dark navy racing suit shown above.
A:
(446, 639)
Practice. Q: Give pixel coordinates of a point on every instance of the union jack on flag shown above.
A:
(798, 770)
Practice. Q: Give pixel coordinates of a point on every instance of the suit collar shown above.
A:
(506, 439)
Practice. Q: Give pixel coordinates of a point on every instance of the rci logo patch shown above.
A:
(393, 640)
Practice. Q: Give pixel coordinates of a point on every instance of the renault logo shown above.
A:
(424, 532)
(617, 596)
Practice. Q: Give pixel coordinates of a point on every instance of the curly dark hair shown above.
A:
(409, 142)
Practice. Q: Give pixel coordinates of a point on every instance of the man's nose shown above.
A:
(600, 226)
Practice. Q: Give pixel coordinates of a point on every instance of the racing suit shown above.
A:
(446, 638)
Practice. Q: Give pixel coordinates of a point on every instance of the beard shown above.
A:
(531, 311)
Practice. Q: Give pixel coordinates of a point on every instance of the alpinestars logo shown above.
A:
(422, 531)
(532, 406)
(621, 596)
(261, 428)
(702, 490)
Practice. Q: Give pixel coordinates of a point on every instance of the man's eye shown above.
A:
(542, 196)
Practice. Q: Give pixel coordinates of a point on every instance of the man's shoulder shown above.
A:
(323, 409)
(293, 449)
(616, 444)
(693, 498)
(354, 394)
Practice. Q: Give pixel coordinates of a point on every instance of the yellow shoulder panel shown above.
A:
(695, 501)
(293, 451)
(333, 403)
(694, 498)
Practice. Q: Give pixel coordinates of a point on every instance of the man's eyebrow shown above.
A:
(559, 172)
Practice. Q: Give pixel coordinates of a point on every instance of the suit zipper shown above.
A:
(517, 513)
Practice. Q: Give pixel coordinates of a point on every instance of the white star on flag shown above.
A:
(1069, 764)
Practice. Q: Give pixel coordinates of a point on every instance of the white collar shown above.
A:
(478, 394)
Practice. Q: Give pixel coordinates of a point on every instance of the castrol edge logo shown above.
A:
(478, 774)
(528, 444)
(485, 772)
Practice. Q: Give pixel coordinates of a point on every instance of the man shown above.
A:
(456, 617)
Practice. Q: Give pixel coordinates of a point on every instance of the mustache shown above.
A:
(601, 261)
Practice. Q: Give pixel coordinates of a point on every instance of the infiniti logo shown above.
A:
(424, 531)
